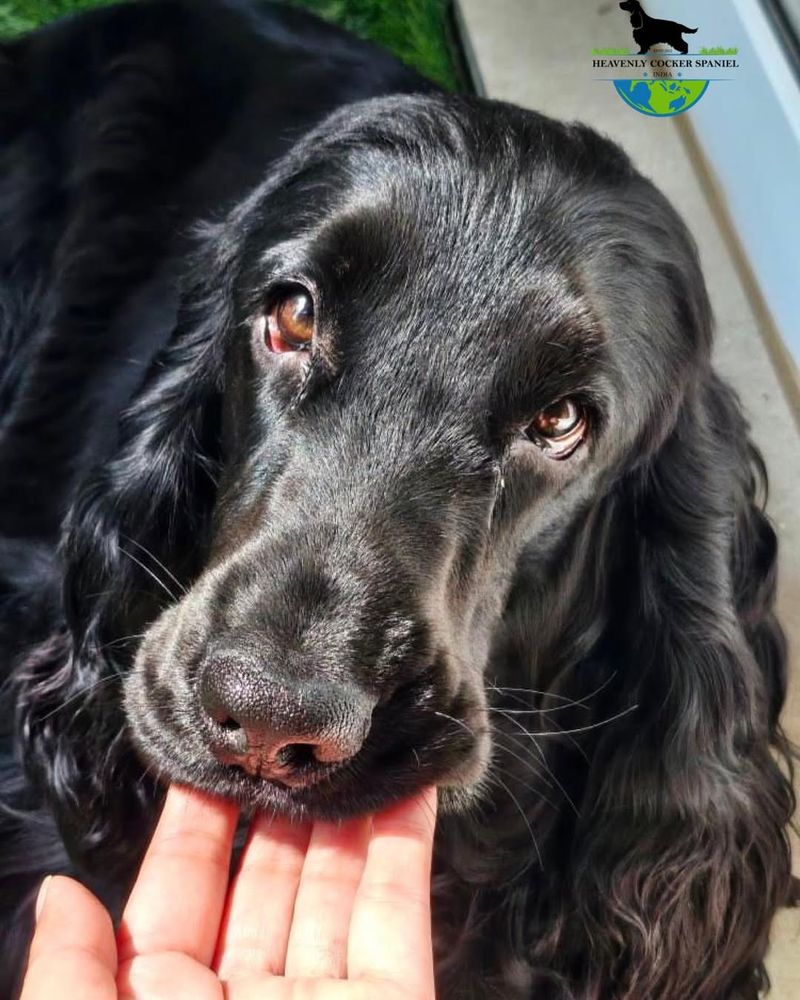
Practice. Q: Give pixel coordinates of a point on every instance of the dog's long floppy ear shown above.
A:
(681, 855)
(135, 535)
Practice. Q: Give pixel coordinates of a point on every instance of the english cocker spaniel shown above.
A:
(649, 31)
(357, 437)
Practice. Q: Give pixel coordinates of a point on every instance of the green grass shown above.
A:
(719, 50)
(22, 15)
(415, 30)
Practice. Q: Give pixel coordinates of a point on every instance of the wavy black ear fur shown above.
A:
(681, 854)
(135, 535)
(136, 516)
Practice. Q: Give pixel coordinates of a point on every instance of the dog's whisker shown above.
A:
(181, 588)
(122, 640)
(153, 576)
(524, 816)
(520, 738)
(429, 810)
(584, 729)
(527, 764)
(458, 722)
(534, 711)
(80, 694)
(571, 738)
(516, 780)
(150, 771)
(559, 785)
(547, 768)
(578, 703)
(532, 691)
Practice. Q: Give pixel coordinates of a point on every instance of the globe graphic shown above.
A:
(661, 98)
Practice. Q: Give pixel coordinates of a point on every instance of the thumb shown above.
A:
(73, 952)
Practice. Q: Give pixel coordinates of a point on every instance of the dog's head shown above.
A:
(632, 6)
(415, 358)
(429, 361)
(437, 393)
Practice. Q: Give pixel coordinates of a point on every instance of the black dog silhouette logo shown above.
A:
(649, 31)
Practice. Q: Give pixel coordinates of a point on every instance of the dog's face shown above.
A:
(436, 365)
(630, 5)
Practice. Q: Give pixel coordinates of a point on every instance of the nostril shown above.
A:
(222, 718)
(296, 756)
(228, 738)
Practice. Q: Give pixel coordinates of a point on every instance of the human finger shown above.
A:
(328, 884)
(178, 898)
(73, 952)
(258, 916)
(390, 930)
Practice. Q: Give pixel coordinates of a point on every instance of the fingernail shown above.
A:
(42, 895)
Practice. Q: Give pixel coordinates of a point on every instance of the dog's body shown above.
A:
(457, 511)
(649, 31)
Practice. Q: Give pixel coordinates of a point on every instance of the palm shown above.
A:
(340, 912)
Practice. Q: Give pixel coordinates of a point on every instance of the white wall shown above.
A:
(750, 130)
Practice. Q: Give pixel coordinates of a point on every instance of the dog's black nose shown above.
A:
(290, 732)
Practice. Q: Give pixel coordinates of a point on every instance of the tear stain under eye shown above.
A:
(499, 489)
(444, 630)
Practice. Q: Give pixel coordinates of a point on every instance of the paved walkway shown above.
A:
(536, 53)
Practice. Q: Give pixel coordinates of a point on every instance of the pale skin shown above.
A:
(329, 912)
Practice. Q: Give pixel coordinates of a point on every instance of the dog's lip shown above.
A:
(375, 759)
(369, 781)
(337, 796)
(254, 766)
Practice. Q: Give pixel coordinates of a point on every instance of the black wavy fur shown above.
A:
(625, 836)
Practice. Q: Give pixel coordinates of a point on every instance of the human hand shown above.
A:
(333, 912)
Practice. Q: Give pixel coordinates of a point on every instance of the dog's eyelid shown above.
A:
(283, 285)
(279, 279)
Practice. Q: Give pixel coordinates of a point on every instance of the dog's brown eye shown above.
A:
(559, 428)
(290, 321)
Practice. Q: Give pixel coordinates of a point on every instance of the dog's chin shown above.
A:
(358, 788)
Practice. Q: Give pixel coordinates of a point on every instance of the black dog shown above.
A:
(408, 465)
(649, 31)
